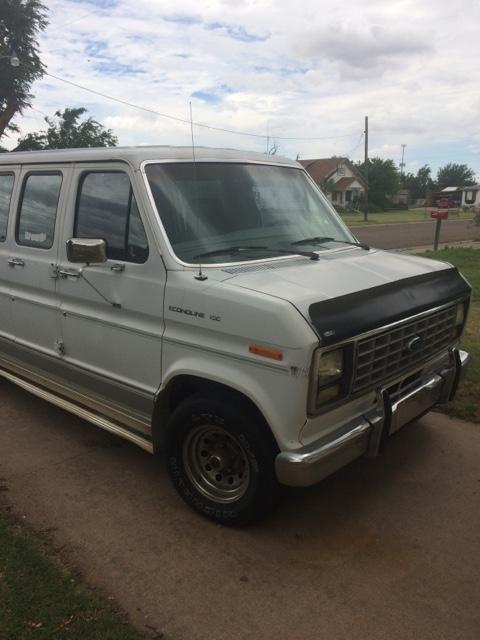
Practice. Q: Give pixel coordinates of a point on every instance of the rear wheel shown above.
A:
(221, 459)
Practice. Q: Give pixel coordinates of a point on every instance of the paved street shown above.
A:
(415, 234)
(387, 548)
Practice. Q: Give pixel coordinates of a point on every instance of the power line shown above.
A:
(66, 24)
(356, 146)
(184, 120)
(38, 110)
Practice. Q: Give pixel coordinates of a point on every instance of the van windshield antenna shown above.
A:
(199, 276)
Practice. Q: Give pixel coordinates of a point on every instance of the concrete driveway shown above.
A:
(387, 548)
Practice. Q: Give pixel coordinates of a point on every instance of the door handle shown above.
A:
(16, 262)
(118, 267)
(69, 273)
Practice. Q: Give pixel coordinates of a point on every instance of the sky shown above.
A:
(278, 69)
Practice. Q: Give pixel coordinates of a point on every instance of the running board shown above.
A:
(81, 412)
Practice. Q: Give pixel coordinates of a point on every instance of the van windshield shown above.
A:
(247, 211)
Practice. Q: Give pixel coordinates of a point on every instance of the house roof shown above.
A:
(322, 168)
(344, 183)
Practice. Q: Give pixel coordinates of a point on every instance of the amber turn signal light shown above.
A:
(266, 352)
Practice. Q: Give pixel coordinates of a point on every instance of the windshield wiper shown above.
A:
(322, 239)
(241, 248)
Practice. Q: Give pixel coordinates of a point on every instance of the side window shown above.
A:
(6, 188)
(38, 210)
(106, 208)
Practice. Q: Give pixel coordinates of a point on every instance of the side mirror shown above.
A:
(86, 250)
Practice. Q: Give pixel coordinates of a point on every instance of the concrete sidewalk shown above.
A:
(387, 548)
(410, 234)
(462, 244)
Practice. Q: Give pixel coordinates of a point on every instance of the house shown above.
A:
(338, 178)
(471, 196)
(449, 197)
(401, 197)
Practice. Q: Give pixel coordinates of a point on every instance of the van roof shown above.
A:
(136, 155)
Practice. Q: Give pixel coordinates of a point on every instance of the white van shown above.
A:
(217, 309)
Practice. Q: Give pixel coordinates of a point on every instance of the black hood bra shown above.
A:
(340, 318)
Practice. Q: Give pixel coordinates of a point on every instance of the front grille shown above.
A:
(382, 356)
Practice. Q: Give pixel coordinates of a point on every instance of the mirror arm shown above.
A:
(117, 305)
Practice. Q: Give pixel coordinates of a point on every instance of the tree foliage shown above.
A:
(20, 23)
(327, 186)
(68, 132)
(455, 175)
(420, 184)
(383, 180)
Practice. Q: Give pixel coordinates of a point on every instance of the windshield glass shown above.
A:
(235, 212)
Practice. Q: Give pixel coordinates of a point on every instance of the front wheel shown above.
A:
(221, 458)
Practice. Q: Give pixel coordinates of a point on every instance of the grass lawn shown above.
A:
(389, 217)
(467, 402)
(40, 600)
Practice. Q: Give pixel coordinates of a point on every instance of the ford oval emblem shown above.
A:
(415, 344)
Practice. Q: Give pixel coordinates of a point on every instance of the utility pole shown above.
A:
(402, 164)
(365, 215)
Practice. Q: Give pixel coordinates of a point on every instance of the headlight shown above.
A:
(329, 367)
(326, 382)
(460, 317)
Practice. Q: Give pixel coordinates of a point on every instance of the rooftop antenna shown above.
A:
(199, 276)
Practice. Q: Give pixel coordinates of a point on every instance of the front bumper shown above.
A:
(366, 434)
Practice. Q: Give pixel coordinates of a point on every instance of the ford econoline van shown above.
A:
(216, 309)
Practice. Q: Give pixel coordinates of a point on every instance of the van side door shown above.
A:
(32, 257)
(8, 176)
(112, 313)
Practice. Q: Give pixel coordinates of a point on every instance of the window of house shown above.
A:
(6, 188)
(340, 170)
(38, 210)
(106, 208)
(348, 196)
(335, 196)
(470, 197)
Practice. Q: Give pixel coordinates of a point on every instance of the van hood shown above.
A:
(350, 291)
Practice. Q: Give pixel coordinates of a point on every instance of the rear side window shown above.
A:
(38, 210)
(106, 208)
(6, 188)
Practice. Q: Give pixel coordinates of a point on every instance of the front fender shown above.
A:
(279, 393)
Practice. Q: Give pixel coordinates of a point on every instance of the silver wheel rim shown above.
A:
(216, 463)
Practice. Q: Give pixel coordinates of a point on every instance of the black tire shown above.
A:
(250, 446)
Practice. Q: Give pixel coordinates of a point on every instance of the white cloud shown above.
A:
(301, 69)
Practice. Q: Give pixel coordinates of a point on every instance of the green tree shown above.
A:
(383, 180)
(419, 185)
(68, 132)
(327, 186)
(425, 181)
(455, 175)
(20, 23)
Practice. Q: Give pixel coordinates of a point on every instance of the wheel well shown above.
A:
(184, 386)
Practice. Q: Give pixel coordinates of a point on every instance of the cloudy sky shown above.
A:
(306, 69)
